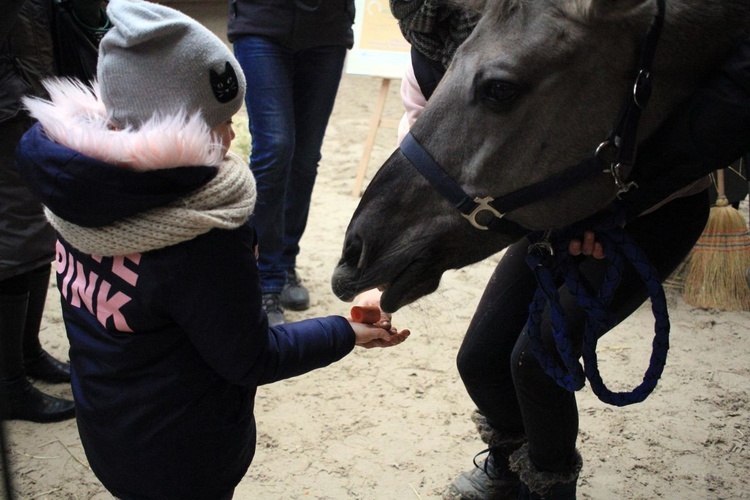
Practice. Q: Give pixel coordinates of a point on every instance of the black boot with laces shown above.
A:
(490, 479)
(273, 309)
(294, 296)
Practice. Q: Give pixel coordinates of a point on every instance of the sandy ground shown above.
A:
(395, 423)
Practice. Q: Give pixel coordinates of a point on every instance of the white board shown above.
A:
(379, 47)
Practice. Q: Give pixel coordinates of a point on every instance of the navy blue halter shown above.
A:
(548, 253)
(498, 207)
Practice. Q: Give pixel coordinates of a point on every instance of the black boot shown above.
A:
(26, 402)
(46, 368)
(274, 310)
(21, 400)
(490, 479)
(37, 362)
(294, 296)
(538, 484)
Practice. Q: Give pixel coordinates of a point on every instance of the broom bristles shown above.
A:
(676, 280)
(715, 276)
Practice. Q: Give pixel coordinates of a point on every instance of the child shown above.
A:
(156, 264)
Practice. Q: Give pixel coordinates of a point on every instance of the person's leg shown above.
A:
(549, 465)
(549, 460)
(20, 399)
(37, 362)
(484, 357)
(484, 365)
(317, 74)
(269, 70)
(269, 99)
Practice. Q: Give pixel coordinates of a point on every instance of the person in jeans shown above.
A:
(292, 53)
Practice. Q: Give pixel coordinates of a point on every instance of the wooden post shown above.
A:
(375, 122)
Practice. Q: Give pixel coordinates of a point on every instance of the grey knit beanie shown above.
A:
(156, 61)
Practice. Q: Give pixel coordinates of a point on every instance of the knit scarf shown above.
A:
(224, 202)
(434, 27)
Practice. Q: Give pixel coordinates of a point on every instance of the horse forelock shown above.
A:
(504, 6)
(470, 5)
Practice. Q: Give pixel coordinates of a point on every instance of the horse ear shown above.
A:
(607, 10)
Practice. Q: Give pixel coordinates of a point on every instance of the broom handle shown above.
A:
(720, 183)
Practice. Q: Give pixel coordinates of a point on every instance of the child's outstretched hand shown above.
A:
(369, 336)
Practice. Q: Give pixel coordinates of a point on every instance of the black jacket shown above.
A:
(708, 132)
(26, 57)
(297, 24)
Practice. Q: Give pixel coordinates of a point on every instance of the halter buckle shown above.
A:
(622, 186)
(483, 205)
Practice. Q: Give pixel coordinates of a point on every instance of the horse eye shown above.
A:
(500, 92)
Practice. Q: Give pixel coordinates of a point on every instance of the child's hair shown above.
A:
(157, 62)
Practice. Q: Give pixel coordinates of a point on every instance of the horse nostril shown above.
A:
(352, 251)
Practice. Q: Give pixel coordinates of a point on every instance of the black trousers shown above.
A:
(502, 375)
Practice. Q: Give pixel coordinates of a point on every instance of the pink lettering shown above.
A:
(68, 276)
(60, 257)
(118, 267)
(107, 307)
(79, 288)
(82, 289)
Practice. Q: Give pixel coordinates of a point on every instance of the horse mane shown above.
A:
(506, 6)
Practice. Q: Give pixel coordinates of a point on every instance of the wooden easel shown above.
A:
(376, 122)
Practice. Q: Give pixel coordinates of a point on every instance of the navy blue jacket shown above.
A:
(167, 347)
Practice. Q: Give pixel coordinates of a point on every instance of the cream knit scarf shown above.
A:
(224, 202)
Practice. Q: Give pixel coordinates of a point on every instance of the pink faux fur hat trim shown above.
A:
(76, 118)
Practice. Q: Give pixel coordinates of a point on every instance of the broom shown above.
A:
(676, 280)
(715, 277)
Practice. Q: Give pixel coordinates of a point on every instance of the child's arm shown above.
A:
(227, 325)
(303, 346)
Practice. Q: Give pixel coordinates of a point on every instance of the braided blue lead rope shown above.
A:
(567, 371)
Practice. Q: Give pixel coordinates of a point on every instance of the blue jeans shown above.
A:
(290, 96)
(502, 376)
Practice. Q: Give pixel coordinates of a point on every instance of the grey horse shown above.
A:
(534, 90)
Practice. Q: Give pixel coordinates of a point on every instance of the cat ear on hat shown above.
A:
(225, 85)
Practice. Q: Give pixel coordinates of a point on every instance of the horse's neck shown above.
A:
(699, 34)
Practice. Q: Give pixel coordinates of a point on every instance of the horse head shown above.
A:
(532, 92)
